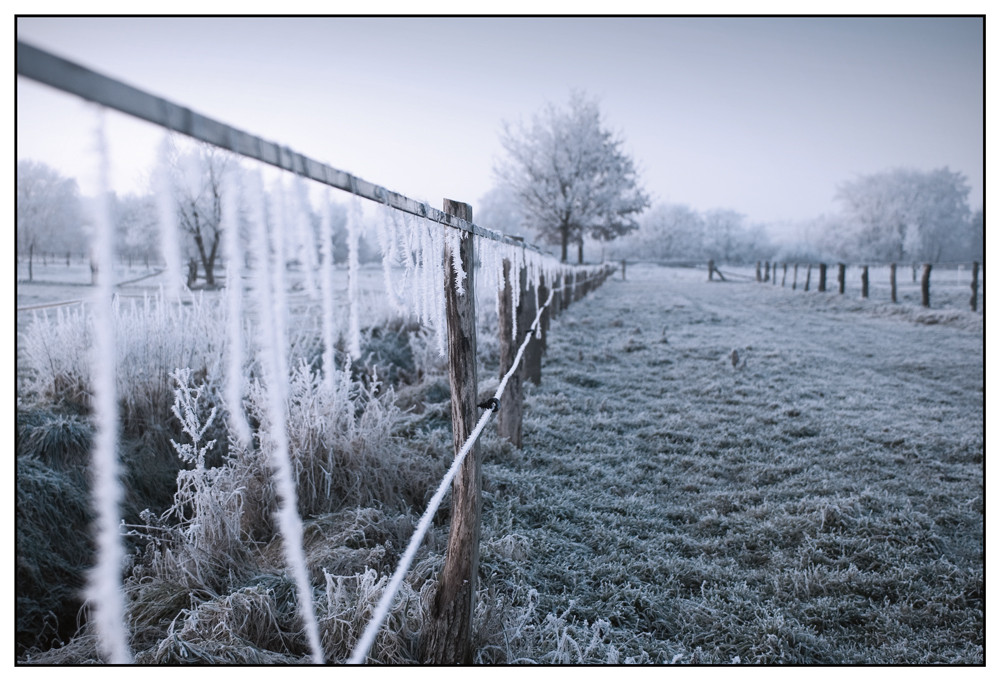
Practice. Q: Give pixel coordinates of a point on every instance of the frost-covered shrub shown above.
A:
(152, 339)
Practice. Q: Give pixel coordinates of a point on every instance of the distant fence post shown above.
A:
(795, 276)
(774, 273)
(623, 270)
(840, 277)
(822, 277)
(974, 301)
(925, 286)
(767, 271)
(447, 636)
(892, 280)
(758, 270)
(914, 265)
(864, 281)
(784, 273)
(711, 268)
(809, 272)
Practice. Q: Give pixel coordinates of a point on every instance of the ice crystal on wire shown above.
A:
(234, 311)
(326, 288)
(274, 434)
(166, 212)
(354, 217)
(105, 587)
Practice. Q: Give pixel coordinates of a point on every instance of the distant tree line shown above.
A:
(53, 219)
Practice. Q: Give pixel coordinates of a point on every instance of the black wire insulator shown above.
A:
(492, 403)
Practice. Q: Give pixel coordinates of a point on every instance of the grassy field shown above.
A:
(819, 502)
(816, 497)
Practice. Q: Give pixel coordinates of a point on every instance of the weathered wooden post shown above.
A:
(925, 286)
(809, 273)
(711, 269)
(914, 265)
(892, 281)
(758, 270)
(822, 277)
(774, 273)
(447, 635)
(543, 295)
(974, 301)
(864, 281)
(784, 273)
(509, 414)
(533, 351)
(795, 276)
(840, 277)
(767, 271)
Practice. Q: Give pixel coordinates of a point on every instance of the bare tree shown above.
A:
(197, 181)
(570, 176)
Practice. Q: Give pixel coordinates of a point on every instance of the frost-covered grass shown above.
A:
(819, 502)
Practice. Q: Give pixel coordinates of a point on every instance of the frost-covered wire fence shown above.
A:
(431, 262)
(492, 406)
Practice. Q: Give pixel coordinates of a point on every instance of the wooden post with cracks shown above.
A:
(447, 636)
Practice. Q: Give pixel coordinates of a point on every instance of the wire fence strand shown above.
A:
(364, 644)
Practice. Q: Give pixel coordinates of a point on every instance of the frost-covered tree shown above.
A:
(48, 211)
(724, 239)
(906, 214)
(977, 235)
(136, 227)
(570, 175)
(498, 210)
(197, 180)
(672, 232)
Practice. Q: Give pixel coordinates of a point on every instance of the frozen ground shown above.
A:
(819, 502)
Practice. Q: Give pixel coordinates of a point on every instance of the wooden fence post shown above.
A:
(774, 273)
(864, 281)
(533, 352)
(509, 414)
(822, 277)
(543, 295)
(795, 276)
(925, 286)
(892, 280)
(711, 269)
(758, 270)
(809, 273)
(974, 301)
(447, 636)
(784, 273)
(623, 271)
(840, 277)
(914, 265)
(767, 271)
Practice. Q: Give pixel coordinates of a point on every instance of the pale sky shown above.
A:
(765, 116)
